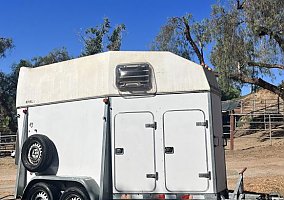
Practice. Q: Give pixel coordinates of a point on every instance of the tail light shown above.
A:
(186, 196)
(160, 196)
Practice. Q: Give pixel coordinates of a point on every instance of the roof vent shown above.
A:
(135, 78)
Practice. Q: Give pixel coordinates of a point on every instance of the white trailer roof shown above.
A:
(94, 76)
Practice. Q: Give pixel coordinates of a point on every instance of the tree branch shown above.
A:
(240, 5)
(266, 65)
(261, 31)
(192, 43)
(279, 40)
(259, 82)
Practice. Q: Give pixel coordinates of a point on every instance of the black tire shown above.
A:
(77, 193)
(37, 153)
(43, 191)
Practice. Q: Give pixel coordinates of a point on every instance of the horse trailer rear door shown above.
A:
(186, 167)
(134, 153)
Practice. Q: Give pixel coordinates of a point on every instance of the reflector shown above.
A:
(125, 196)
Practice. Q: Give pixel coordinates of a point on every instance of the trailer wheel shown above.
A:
(43, 191)
(75, 193)
(37, 153)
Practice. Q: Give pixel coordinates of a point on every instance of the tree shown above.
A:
(171, 38)
(248, 42)
(247, 38)
(99, 38)
(56, 55)
(188, 38)
(5, 44)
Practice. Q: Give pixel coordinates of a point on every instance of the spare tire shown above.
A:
(37, 153)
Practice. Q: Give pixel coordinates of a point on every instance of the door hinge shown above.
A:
(202, 123)
(205, 175)
(155, 176)
(154, 125)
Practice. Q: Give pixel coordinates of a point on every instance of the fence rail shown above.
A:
(245, 124)
(7, 144)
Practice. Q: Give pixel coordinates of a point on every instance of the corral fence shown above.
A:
(7, 143)
(261, 119)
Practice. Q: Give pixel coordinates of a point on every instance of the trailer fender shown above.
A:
(63, 183)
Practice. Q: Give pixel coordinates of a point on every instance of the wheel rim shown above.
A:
(41, 196)
(35, 153)
(75, 198)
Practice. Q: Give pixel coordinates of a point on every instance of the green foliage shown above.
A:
(115, 38)
(239, 38)
(230, 93)
(7, 109)
(172, 36)
(5, 44)
(264, 14)
(99, 38)
(56, 55)
(247, 39)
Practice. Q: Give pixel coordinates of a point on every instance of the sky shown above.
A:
(37, 27)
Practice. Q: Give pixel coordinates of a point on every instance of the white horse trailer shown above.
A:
(120, 125)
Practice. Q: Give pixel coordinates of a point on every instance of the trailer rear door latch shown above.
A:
(202, 123)
(154, 125)
(119, 151)
(155, 176)
(205, 175)
(169, 150)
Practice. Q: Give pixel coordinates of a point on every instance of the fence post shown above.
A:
(264, 121)
(278, 104)
(232, 129)
(270, 132)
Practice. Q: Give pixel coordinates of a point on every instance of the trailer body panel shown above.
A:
(73, 127)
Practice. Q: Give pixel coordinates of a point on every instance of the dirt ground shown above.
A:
(264, 174)
(7, 176)
(264, 162)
